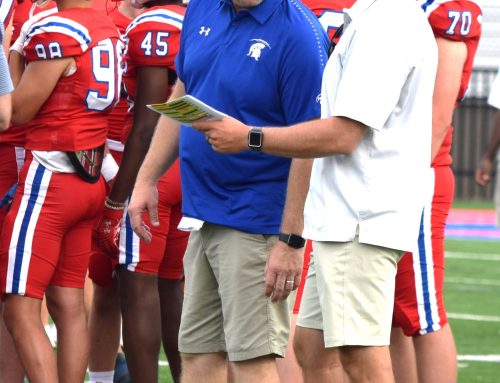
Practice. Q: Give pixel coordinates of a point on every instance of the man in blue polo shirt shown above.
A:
(260, 61)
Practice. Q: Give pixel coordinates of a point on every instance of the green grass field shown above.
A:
(472, 290)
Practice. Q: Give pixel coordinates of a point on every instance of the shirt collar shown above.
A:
(261, 13)
(359, 7)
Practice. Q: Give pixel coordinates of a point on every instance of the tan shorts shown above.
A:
(225, 309)
(349, 293)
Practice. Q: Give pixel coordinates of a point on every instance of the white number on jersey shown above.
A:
(466, 20)
(161, 48)
(107, 72)
(51, 51)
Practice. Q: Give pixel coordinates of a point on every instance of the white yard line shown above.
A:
(472, 256)
(479, 358)
(472, 281)
(473, 317)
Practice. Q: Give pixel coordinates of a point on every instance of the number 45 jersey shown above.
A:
(153, 39)
(74, 116)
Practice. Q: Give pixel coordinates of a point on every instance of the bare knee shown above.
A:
(66, 304)
(367, 363)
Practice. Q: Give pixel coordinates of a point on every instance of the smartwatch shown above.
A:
(292, 240)
(255, 139)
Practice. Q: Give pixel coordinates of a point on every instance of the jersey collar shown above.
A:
(261, 13)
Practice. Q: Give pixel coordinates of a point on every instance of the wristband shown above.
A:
(114, 205)
(109, 167)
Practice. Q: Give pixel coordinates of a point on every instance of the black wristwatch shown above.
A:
(255, 139)
(292, 240)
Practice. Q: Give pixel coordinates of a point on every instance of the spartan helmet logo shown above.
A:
(256, 48)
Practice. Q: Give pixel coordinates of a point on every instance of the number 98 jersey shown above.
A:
(152, 39)
(74, 116)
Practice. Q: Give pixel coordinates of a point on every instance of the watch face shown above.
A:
(255, 139)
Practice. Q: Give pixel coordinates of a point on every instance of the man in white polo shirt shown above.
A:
(485, 168)
(366, 188)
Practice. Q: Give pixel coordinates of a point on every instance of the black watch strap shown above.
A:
(292, 240)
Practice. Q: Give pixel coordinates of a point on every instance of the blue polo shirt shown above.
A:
(262, 66)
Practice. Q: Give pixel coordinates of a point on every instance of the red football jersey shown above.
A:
(330, 13)
(457, 20)
(74, 117)
(152, 39)
(16, 135)
(119, 119)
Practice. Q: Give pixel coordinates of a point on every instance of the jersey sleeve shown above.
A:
(456, 20)
(153, 39)
(56, 37)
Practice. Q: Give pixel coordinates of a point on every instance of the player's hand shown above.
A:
(483, 172)
(107, 230)
(225, 136)
(6, 200)
(144, 199)
(283, 264)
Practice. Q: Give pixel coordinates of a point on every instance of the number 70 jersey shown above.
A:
(74, 115)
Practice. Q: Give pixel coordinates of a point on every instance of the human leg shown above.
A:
(67, 309)
(318, 364)
(261, 369)
(419, 299)
(403, 359)
(170, 290)
(11, 369)
(22, 318)
(436, 356)
(140, 308)
(105, 316)
(195, 367)
(370, 364)
(104, 328)
(171, 307)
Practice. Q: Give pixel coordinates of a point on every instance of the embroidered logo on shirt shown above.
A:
(204, 30)
(256, 48)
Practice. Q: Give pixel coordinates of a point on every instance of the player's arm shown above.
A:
(35, 86)
(152, 87)
(5, 111)
(451, 60)
(483, 172)
(164, 148)
(162, 153)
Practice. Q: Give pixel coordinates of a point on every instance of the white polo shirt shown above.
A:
(382, 74)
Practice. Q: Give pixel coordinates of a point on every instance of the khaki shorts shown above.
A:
(349, 293)
(225, 309)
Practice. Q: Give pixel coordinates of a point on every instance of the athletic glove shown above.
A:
(6, 200)
(106, 232)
